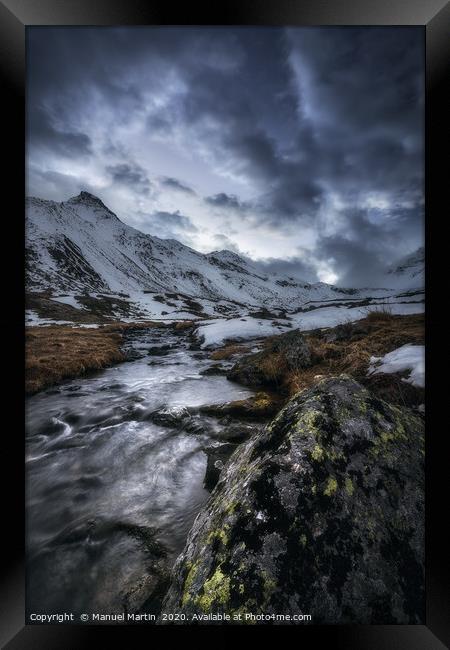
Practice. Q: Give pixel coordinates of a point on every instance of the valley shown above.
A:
(174, 397)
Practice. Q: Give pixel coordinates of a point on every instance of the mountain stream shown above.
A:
(115, 469)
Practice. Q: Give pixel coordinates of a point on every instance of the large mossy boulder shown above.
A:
(321, 514)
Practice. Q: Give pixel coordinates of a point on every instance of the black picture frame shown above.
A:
(15, 16)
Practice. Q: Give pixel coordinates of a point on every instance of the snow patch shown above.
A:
(332, 316)
(408, 357)
(68, 300)
(216, 332)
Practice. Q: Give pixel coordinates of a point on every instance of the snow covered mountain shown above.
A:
(79, 249)
(409, 272)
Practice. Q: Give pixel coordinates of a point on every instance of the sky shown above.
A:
(301, 148)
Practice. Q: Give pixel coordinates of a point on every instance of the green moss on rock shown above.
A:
(216, 591)
(330, 487)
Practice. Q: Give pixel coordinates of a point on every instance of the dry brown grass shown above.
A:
(227, 352)
(119, 326)
(184, 325)
(352, 357)
(274, 367)
(379, 333)
(56, 353)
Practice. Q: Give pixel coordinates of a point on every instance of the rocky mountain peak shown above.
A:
(85, 197)
(90, 201)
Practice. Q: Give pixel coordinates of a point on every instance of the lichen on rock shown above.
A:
(321, 513)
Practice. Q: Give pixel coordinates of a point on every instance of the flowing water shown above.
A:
(115, 465)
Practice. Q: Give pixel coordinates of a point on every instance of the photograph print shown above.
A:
(225, 413)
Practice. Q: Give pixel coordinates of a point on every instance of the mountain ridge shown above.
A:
(80, 246)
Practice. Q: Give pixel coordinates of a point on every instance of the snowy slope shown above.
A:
(409, 272)
(80, 247)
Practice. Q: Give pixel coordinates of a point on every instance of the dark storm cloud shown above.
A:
(367, 80)
(323, 127)
(363, 97)
(227, 201)
(358, 263)
(170, 224)
(45, 134)
(363, 249)
(175, 184)
(63, 186)
(159, 124)
(224, 242)
(295, 268)
(130, 174)
(251, 126)
(73, 68)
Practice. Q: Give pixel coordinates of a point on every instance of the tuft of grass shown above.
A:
(379, 313)
(227, 352)
(274, 367)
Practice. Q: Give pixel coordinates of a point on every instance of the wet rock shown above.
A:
(146, 596)
(181, 419)
(72, 389)
(147, 593)
(159, 350)
(132, 354)
(197, 426)
(217, 457)
(113, 386)
(52, 426)
(261, 405)
(236, 432)
(322, 513)
(174, 418)
(195, 341)
(216, 369)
